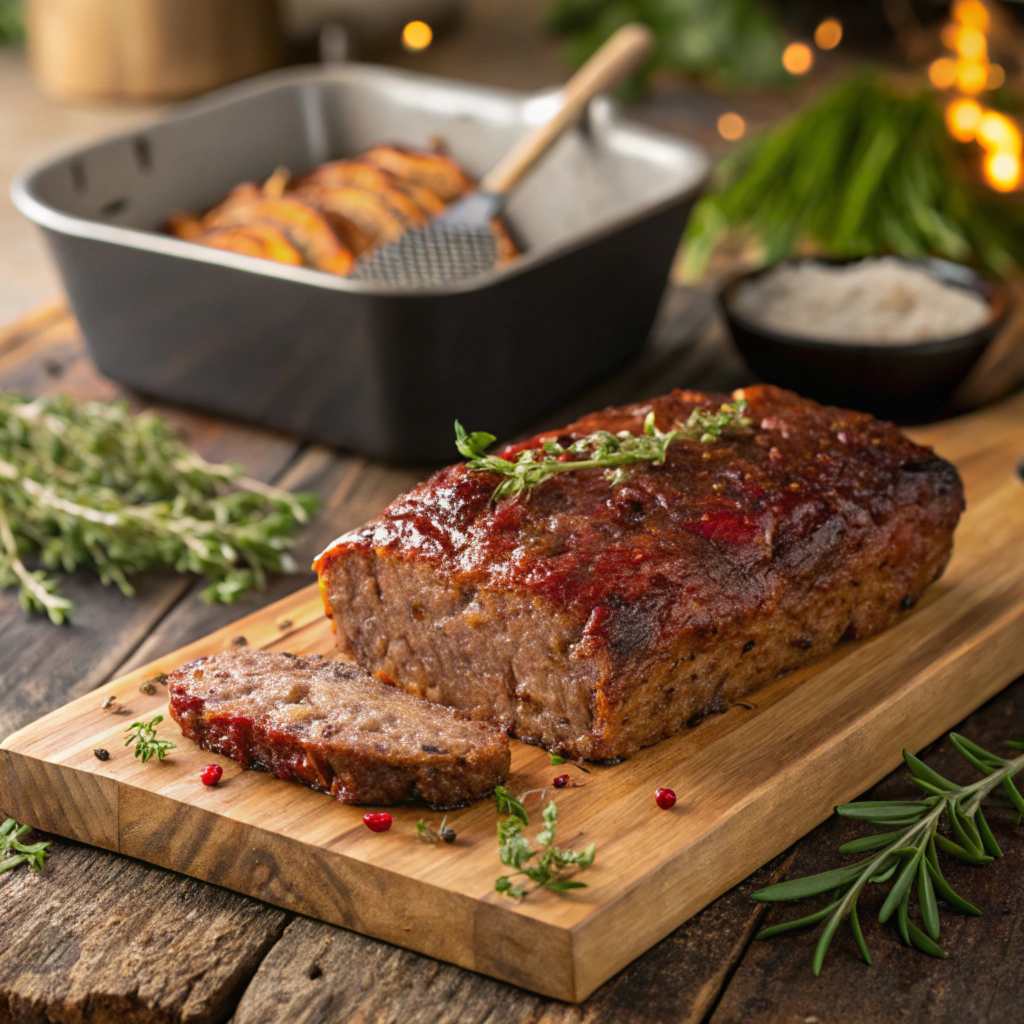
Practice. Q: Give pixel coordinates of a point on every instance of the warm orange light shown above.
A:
(998, 133)
(949, 35)
(971, 14)
(942, 73)
(417, 35)
(971, 45)
(971, 78)
(996, 76)
(797, 58)
(731, 126)
(829, 34)
(1002, 171)
(962, 117)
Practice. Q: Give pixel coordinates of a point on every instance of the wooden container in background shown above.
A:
(149, 49)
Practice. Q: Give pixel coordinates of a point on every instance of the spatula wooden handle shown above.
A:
(623, 53)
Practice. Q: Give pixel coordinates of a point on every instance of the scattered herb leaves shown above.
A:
(508, 804)
(553, 869)
(147, 746)
(908, 852)
(429, 834)
(93, 485)
(600, 450)
(14, 853)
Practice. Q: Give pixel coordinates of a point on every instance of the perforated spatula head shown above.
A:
(456, 245)
(460, 244)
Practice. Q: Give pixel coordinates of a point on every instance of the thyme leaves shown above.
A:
(612, 452)
(93, 485)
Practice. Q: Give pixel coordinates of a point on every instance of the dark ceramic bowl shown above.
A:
(903, 382)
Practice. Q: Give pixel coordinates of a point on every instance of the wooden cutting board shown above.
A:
(750, 781)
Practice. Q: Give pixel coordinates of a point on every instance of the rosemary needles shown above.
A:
(907, 854)
(92, 485)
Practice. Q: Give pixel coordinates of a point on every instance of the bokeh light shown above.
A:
(942, 73)
(829, 34)
(1002, 171)
(996, 76)
(797, 58)
(997, 132)
(417, 35)
(971, 77)
(962, 117)
(731, 126)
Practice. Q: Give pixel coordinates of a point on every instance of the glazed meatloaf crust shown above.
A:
(334, 728)
(596, 620)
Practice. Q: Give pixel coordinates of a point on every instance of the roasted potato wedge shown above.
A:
(370, 212)
(315, 233)
(355, 174)
(263, 240)
(433, 171)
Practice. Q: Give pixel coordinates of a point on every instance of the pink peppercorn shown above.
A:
(377, 821)
(560, 781)
(211, 774)
(664, 798)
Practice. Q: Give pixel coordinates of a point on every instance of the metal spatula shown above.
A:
(459, 243)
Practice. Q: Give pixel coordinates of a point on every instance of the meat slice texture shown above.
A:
(330, 726)
(595, 620)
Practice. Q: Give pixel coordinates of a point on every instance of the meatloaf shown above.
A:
(334, 728)
(596, 619)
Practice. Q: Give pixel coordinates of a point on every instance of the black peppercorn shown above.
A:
(448, 835)
(103, 755)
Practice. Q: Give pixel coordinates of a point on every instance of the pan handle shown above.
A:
(622, 54)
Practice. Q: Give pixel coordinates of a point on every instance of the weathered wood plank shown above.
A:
(982, 980)
(101, 939)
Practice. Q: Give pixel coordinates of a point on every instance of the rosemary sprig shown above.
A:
(553, 869)
(908, 852)
(600, 450)
(14, 853)
(92, 485)
(143, 735)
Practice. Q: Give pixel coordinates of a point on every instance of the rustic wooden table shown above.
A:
(98, 937)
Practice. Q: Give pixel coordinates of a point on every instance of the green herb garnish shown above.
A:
(864, 169)
(508, 804)
(92, 485)
(909, 853)
(600, 450)
(557, 759)
(429, 834)
(13, 852)
(553, 868)
(143, 735)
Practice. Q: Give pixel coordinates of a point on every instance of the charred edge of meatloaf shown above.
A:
(348, 767)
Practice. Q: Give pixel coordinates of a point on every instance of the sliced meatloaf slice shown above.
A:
(332, 727)
(595, 620)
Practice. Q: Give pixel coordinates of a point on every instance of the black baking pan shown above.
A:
(907, 382)
(350, 363)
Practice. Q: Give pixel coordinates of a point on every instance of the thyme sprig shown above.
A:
(553, 869)
(14, 853)
(600, 450)
(908, 853)
(93, 485)
(147, 746)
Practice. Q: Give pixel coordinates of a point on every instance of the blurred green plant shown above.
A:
(727, 42)
(12, 21)
(864, 169)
